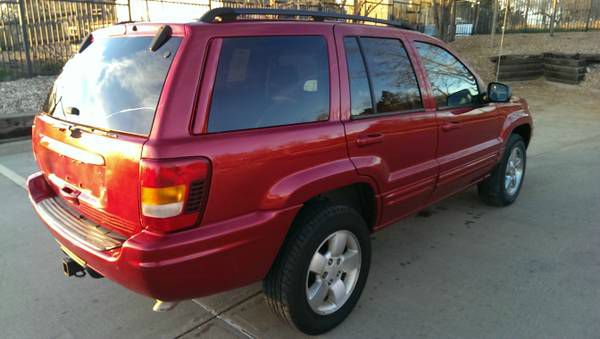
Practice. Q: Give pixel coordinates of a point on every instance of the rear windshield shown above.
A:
(114, 84)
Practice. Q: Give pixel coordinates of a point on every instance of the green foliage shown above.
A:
(52, 67)
(4, 75)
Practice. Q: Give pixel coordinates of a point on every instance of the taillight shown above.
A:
(173, 193)
(163, 202)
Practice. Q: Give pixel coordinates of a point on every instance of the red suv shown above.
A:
(183, 160)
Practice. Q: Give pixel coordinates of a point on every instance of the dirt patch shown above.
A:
(477, 49)
(592, 77)
(543, 95)
(24, 96)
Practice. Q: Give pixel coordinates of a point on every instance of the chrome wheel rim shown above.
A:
(514, 171)
(333, 272)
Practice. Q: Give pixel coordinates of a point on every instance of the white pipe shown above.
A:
(502, 39)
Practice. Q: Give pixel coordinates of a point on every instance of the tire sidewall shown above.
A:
(514, 142)
(301, 313)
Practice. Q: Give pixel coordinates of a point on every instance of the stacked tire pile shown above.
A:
(519, 67)
(564, 68)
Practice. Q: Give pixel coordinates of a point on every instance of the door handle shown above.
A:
(451, 126)
(369, 139)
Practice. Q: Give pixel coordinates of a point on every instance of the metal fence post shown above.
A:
(589, 16)
(495, 4)
(527, 14)
(147, 11)
(26, 46)
(477, 13)
(129, 9)
(553, 19)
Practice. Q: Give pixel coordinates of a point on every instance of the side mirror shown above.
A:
(498, 92)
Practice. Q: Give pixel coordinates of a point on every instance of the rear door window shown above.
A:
(394, 83)
(270, 81)
(114, 84)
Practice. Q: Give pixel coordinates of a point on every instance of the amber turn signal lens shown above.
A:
(163, 195)
(164, 202)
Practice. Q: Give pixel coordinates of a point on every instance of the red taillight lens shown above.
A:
(173, 193)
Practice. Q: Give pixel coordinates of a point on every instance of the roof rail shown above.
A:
(226, 14)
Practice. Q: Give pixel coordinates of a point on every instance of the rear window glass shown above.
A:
(270, 81)
(114, 84)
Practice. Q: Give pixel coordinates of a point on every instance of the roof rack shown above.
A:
(226, 14)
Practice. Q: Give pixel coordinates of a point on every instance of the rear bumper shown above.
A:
(189, 264)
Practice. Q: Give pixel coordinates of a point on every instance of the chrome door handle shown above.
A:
(451, 126)
(369, 139)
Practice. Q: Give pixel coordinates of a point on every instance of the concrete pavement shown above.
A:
(459, 269)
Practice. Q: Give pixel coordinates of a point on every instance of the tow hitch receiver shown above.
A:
(72, 268)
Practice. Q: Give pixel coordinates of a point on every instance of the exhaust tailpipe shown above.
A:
(164, 306)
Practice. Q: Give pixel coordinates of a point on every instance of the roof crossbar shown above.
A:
(226, 14)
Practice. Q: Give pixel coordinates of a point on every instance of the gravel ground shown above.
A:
(24, 96)
(477, 49)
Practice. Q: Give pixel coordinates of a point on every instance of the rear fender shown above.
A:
(303, 185)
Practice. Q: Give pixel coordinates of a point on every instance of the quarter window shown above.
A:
(270, 81)
(360, 91)
(451, 82)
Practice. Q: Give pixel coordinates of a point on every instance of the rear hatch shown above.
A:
(98, 115)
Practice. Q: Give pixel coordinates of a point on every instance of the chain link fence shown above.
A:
(38, 36)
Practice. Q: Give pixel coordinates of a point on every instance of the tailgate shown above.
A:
(95, 173)
(98, 115)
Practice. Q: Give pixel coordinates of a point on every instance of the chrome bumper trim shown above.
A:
(65, 220)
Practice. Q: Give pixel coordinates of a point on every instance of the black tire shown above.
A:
(285, 285)
(492, 190)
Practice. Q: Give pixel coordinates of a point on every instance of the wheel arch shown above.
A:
(520, 123)
(523, 130)
(360, 196)
(336, 181)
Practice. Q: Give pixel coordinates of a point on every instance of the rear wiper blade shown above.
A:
(162, 36)
(56, 105)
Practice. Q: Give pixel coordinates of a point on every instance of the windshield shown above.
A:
(114, 84)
